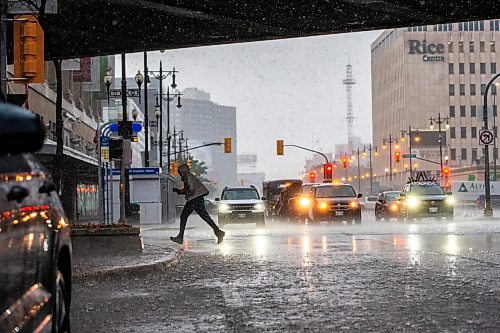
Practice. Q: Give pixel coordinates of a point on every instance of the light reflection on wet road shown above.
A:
(427, 275)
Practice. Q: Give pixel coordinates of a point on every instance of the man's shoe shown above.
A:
(177, 239)
(220, 236)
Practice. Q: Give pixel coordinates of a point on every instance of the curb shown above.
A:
(156, 266)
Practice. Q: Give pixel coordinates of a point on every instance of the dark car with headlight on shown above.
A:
(334, 202)
(387, 205)
(241, 205)
(35, 247)
(420, 199)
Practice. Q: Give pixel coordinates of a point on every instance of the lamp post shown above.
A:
(410, 140)
(495, 130)
(160, 76)
(168, 98)
(389, 141)
(370, 148)
(357, 152)
(440, 121)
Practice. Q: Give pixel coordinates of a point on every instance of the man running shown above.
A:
(195, 191)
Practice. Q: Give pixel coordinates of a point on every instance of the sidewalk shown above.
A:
(154, 257)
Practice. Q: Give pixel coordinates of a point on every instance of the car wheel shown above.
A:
(60, 310)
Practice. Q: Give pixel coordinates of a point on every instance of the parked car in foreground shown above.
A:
(241, 205)
(35, 247)
(334, 202)
(387, 205)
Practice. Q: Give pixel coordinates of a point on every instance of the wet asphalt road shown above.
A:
(379, 276)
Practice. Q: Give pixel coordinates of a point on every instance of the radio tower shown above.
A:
(349, 82)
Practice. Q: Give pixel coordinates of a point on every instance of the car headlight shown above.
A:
(304, 202)
(354, 204)
(259, 207)
(224, 208)
(450, 201)
(323, 205)
(394, 207)
(413, 202)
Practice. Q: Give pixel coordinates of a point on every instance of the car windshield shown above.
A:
(426, 189)
(335, 191)
(240, 194)
(391, 196)
(306, 189)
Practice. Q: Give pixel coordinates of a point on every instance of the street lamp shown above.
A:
(389, 141)
(168, 98)
(107, 81)
(135, 113)
(139, 79)
(160, 76)
(440, 121)
(370, 148)
(410, 140)
(495, 130)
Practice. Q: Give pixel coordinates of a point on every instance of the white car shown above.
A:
(369, 203)
(241, 205)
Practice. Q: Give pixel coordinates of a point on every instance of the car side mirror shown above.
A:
(47, 187)
(20, 130)
(360, 195)
(402, 195)
(17, 193)
(263, 198)
(217, 199)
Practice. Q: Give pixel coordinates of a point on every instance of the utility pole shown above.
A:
(146, 115)
(440, 121)
(370, 149)
(123, 173)
(390, 141)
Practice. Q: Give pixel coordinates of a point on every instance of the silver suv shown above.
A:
(241, 205)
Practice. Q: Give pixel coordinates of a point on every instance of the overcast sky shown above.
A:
(287, 89)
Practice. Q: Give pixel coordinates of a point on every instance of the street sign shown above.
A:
(115, 93)
(152, 123)
(409, 155)
(105, 153)
(486, 137)
(104, 141)
(136, 127)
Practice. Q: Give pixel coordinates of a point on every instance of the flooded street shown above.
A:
(378, 276)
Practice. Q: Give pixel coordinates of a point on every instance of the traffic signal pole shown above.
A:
(123, 218)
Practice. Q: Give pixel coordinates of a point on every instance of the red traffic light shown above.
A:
(397, 156)
(312, 176)
(328, 171)
(446, 171)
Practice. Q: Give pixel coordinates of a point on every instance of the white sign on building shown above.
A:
(471, 190)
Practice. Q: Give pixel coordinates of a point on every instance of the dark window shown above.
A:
(450, 47)
(453, 153)
(481, 46)
(452, 111)
(493, 68)
(482, 68)
(464, 154)
(474, 154)
(462, 89)
(472, 89)
(461, 47)
(495, 153)
(492, 46)
(450, 69)
(462, 110)
(483, 88)
(471, 46)
(452, 90)
(473, 111)
(452, 132)
(473, 132)
(461, 68)
(463, 132)
(472, 68)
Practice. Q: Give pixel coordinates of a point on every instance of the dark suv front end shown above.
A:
(426, 199)
(335, 203)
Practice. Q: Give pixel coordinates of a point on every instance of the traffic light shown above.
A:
(227, 145)
(328, 171)
(115, 148)
(344, 162)
(28, 49)
(134, 138)
(312, 176)
(125, 129)
(175, 168)
(446, 171)
(280, 148)
(397, 156)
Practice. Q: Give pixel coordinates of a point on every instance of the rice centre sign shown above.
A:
(429, 52)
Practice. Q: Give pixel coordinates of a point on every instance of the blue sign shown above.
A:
(136, 127)
(139, 171)
(104, 141)
(113, 127)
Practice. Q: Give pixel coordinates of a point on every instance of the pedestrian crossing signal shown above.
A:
(280, 148)
(227, 145)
